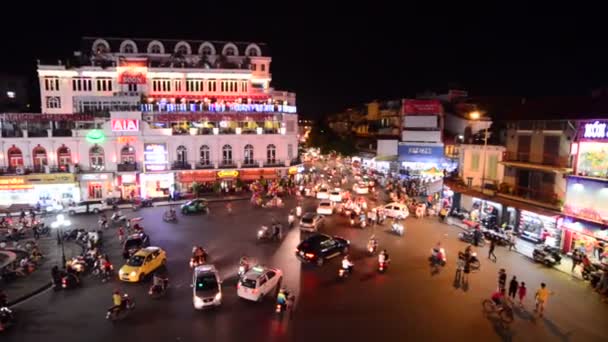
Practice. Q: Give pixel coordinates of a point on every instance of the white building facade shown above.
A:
(473, 160)
(147, 118)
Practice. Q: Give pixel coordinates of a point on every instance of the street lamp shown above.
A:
(476, 116)
(59, 223)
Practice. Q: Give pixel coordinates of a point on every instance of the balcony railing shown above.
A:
(179, 165)
(27, 169)
(274, 162)
(126, 167)
(250, 163)
(548, 197)
(229, 164)
(537, 158)
(204, 165)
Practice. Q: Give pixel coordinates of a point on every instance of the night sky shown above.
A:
(334, 58)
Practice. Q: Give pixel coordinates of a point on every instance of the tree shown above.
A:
(196, 189)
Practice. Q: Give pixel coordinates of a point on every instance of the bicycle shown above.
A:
(505, 311)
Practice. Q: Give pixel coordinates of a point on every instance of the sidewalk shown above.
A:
(526, 248)
(23, 288)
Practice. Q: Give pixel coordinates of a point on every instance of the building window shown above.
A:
(81, 84)
(271, 154)
(39, 157)
(132, 87)
(248, 155)
(96, 158)
(182, 155)
(227, 155)
(129, 48)
(253, 53)
(104, 84)
(230, 51)
(182, 50)
(178, 85)
(127, 154)
(206, 51)
(211, 86)
(492, 169)
(64, 157)
(244, 87)
(15, 157)
(53, 102)
(155, 49)
(253, 67)
(262, 67)
(204, 155)
(51, 83)
(290, 151)
(474, 161)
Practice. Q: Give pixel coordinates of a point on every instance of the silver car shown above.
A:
(311, 222)
(206, 287)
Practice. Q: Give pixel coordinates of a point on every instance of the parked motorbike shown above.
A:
(547, 255)
(469, 237)
(121, 312)
(589, 270)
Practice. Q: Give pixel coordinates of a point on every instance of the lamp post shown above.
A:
(476, 116)
(59, 223)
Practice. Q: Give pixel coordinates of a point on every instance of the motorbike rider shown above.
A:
(347, 265)
(291, 218)
(353, 215)
(276, 231)
(299, 210)
(198, 254)
(170, 215)
(282, 298)
(383, 257)
(117, 300)
(373, 242)
(477, 236)
(498, 298)
(160, 280)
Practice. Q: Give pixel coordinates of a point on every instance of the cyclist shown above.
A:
(499, 298)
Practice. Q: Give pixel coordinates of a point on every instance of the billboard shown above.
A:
(132, 71)
(125, 125)
(586, 199)
(155, 157)
(425, 107)
(420, 153)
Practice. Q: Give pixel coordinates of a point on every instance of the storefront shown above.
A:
(128, 185)
(154, 185)
(46, 189)
(185, 179)
(583, 236)
(227, 179)
(251, 175)
(96, 185)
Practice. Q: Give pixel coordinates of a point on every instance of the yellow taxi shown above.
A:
(142, 263)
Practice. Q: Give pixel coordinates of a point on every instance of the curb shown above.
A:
(31, 294)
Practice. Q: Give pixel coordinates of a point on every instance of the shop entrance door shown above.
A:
(95, 191)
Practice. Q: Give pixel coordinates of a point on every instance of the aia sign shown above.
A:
(125, 125)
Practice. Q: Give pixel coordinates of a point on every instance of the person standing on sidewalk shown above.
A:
(575, 260)
(522, 293)
(502, 279)
(513, 285)
(491, 250)
(541, 296)
(511, 241)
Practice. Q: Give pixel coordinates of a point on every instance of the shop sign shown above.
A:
(95, 136)
(16, 187)
(132, 71)
(228, 174)
(586, 199)
(57, 178)
(128, 179)
(155, 157)
(125, 125)
(196, 176)
(413, 107)
(293, 170)
(420, 153)
(584, 228)
(126, 140)
(94, 177)
(595, 130)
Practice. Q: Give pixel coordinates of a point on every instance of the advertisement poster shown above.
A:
(412, 107)
(155, 157)
(592, 159)
(132, 71)
(587, 199)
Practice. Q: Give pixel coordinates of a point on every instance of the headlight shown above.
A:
(218, 296)
(197, 301)
(133, 274)
(120, 273)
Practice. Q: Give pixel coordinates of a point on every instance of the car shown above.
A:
(360, 188)
(322, 194)
(206, 287)
(311, 222)
(258, 282)
(396, 210)
(335, 195)
(195, 206)
(141, 264)
(134, 243)
(320, 247)
(87, 207)
(326, 207)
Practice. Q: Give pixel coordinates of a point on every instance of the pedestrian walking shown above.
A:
(522, 293)
(466, 270)
(513, 285)
(36, 232)
(502, 279)
(491, 250)
(575, 260)
(541, 296)
(512, 241)
(121, 234)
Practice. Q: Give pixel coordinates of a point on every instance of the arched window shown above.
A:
(127, 154)
(230, 51)
(101, 46)
(15, 157)
(129, 48)
(182, 50)
(227, 155)
(206, 51)
(64, 157)
(204, 155)
(271, 154)
(253, 50)
(248, 155)
(182, 155)
(155, 47)
(253, 53)
(96, 158)
(39, 157)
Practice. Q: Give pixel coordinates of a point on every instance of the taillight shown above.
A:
(254, 291)
(310, 255)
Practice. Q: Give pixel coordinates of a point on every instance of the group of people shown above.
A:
(519, 289)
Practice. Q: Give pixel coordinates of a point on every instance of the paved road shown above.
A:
(407, 302)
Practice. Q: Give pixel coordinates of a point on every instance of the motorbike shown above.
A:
(382, 266)
(547, 255)
(118, 217)
(363, 223)
(299, 211)
(281, 308)
(170, 216)
(117, 313)
(438, 257)
(588, 271)
(344, 273)
(157, 291)
(266, 233)
(474, 263)
(197, 261)
(352, 222)
(469, 237)
(372, 246)
(397, 228)
(291, 219)
(7, 319)
(69, 281)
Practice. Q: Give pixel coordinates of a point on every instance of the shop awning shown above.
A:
(196, 176)
(532, 166)
(387, 158)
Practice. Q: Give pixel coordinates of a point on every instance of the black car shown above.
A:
(320, 247)
(135, 242)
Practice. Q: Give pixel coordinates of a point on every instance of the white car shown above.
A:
(396, 210)
(258, 282)
(206, 287)
(336, 195)
(360, 189)
(311, 222)
(86, 207)
(322, 194)
(326, 207)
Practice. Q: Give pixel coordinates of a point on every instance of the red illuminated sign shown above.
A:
(125, 125)
(132, 71)
(126, 140)
(422, 107)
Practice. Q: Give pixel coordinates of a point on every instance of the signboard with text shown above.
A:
(425, 107)
(420, 153)
(125, 125)
(132, 71)
(594, 130)
(155, 157)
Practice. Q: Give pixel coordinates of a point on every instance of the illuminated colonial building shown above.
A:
(142, 117)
